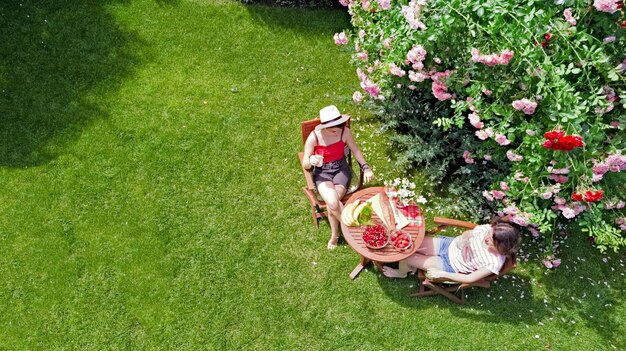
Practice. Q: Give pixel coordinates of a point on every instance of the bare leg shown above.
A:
(334, 206)
(425, 259)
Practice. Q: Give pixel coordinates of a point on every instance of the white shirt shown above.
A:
(476, 254)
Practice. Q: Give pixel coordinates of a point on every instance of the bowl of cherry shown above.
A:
(375, 237)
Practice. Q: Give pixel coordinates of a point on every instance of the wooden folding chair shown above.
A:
(318, 206)
(455, 291)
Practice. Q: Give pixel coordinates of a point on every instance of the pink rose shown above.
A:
(467, 157)
(487, 92)
(340, 38)
(396, 71)
(530, 132)
(362, 56)
(547, 263)
(475, 120)
(482, 134)
(498, 194)
(568, 213)
(487, 157)
(502, 140)
(556, 263)
(370, 87)
(505, 56)
(487, 195)
(600, 168)
(504, 186)
(558, 178)
(567, 13)
(534, 232)
(384, 4)
(357, 97)
(417, 76)
(440, 91)
(609, 6)
(514, 157)
(525, 105)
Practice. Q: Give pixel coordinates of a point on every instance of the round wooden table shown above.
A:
(353, 236)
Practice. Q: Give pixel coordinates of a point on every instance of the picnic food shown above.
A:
(375, 237)
(358, 209)
(365, 214)
(347, 214)
(388, 217)
(401, 240)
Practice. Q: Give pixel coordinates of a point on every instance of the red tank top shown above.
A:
(332, 152)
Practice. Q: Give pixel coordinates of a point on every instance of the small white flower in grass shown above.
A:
(537, 336)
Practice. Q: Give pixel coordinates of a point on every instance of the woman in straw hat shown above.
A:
(324, 150)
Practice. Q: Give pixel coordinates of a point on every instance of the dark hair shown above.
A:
(506, 236)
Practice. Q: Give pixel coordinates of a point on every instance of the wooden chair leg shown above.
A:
(315, 217)
(427, 288)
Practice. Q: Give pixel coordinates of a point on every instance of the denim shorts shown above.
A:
(444, 244)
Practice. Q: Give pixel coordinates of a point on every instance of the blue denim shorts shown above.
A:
(444, 244)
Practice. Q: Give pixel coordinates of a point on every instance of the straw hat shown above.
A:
(330, 116)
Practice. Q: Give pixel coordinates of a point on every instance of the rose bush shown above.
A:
(539, 87)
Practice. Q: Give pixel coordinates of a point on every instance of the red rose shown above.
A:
(591, 196)
(599, 195)
(544, 44)
(548, 36)
(577, 197)
(548, 144)
(553, 134)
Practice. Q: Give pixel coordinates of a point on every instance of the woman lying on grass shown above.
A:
(467, 258)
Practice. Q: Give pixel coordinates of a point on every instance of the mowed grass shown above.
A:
(150, 196)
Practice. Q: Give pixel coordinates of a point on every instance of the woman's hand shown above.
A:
(462, 243)
(316, 160)
(368, 175)
(434, 273)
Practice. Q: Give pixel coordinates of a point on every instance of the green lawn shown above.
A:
(150, 196)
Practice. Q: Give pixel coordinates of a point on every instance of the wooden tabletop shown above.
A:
(354, 235)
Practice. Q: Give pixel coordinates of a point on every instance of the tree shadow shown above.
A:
(311, 21)
(590, 285)
(510, 300)
(54, 57)
(587, 287)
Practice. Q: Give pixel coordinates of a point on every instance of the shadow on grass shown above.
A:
(508, 301)
(583, 288)
(590, 285)
(54, 56)
(301, 20)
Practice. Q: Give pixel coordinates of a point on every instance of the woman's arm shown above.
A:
(458, 277)
(463, 241)
(309, 145)
(367, 171)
